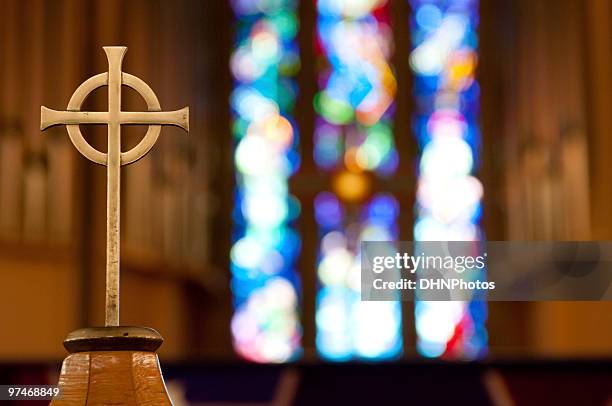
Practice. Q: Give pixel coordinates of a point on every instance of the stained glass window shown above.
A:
(353, 150)
(443, 60)
(353, 144)
(265, 283)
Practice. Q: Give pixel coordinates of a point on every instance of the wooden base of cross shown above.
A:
(112, 366)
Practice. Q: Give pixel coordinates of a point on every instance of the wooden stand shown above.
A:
(112, 366)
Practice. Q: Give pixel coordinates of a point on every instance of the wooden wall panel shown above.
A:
(52, 200)
(555, 137)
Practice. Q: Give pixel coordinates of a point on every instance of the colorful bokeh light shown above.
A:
(353, 143)
(449, 196)
(265, 285)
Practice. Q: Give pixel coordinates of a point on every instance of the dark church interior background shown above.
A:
(315, 125)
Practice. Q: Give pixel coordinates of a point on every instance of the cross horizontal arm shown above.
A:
(49, 117)
(179, 118)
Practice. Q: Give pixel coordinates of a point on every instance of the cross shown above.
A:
(114, 118)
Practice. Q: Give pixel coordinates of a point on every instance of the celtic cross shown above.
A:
(114, 118)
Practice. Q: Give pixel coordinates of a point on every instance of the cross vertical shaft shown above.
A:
(113, 187)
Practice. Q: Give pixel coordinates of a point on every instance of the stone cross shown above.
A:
(114, 118)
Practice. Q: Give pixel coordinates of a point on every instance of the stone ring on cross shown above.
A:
(114, 118)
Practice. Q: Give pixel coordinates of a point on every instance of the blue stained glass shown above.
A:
(443, 60)
(265, 283)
